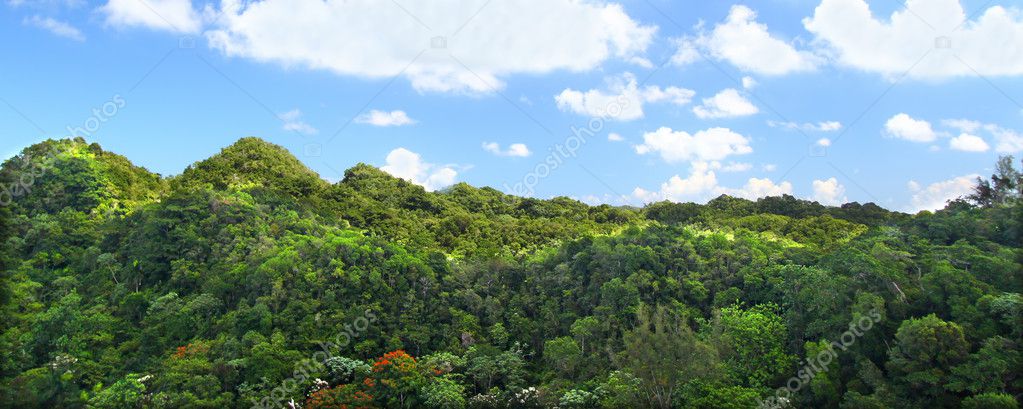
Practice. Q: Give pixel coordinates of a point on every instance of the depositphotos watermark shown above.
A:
(567, 149)
(817, 365)
(306, 369)
(99, 117)
(31, 169)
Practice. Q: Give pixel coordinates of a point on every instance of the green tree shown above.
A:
(925, 351)
(563, 354)
(127, 393)
(664, 353)
(752, 345)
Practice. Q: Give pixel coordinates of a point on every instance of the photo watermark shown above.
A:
(816, 365)
(567, 149)
(31, 169)
(307, 368)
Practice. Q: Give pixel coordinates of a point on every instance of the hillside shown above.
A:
(248, 281)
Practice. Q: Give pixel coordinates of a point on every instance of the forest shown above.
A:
(247, 281)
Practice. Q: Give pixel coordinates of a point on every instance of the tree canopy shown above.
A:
(248, 281)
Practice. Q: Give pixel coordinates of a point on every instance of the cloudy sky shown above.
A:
(607, 102)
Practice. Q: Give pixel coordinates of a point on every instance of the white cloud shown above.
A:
(640, 61)
(176, 16)
(936, 195)
(700, 181)
(614, 137)
(732, 166)
(992, 44)
(673, 95)
(293, 122)
(903, 126)
(748, 82)
(964, 125)
(1009, 141)
(747, 44)
(769, 167)
(825, 126)
(610, 199)
(702, 185)
(727, 103)
(687, 52)
(384, 118)
(968, 143)
(1006, 140)
(825, 142)
(46, 3)
(503, 38)
(829, 192)
(515, 149)
(708, 145)
(756, 188)
(408, 165)
(58, 28)
(829, 126)
(623, 100)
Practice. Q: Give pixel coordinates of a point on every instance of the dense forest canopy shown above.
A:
(248, 281)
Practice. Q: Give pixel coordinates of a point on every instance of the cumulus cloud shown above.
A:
(903, 126)
(936, 195)
(968, 143)
(991, 44)
(756, 188)
(747, 44)
(825, 126)
(465, 51)
(293, 122)
(700, 181)
(1005, 140)
(176, 16)
(614, 137)
(1009, 141)
(623, 100)
(829, 192)
(385, 118)
(701, 184)
(408, 165)
(57, 28)
(515, 149)
(707, 145)
(727, 103)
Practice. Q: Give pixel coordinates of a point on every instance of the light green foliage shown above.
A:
(991, 401)
(127, 393)
(751, 342)
(619, 389)
(444, 393)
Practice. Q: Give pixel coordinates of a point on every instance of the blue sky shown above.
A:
(830, 100)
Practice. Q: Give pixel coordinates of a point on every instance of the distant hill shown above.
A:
(70, 173)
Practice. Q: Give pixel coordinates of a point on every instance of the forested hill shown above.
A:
(249, 281)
